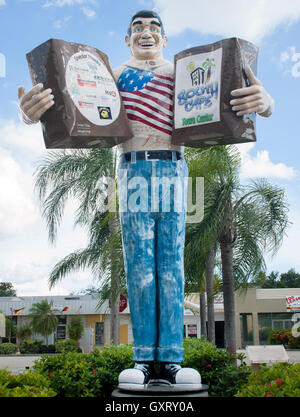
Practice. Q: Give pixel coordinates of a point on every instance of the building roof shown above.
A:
(77, 304)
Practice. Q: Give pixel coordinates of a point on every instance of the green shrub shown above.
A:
(96, 374)
(294, 342)
(85, 375)
(279, 380)
(66, 345)
(216, 366)
(30, 384)
(7, 348)
(279, 337)
(31, 346)
(47, 349)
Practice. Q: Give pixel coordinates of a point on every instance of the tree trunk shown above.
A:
(209, 274)
(228, 293)
(115, 322)
(115, 296)
(202, 314)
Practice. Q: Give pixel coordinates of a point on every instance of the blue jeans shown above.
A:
(153, 233)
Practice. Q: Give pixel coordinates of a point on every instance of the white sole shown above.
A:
(159, 386)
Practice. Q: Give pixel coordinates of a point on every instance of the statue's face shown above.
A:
(146, 40)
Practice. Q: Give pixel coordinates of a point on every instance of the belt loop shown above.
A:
(174, 156)
(133, 157)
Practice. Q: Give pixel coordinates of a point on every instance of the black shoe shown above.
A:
(168, 371)
(184, 377)
(147, 368)
(138, 376)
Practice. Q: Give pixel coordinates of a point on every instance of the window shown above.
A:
(246, 329)
(61, 328)
(99, 333)
(271, 321)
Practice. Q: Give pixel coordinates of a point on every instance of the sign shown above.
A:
(205, 76)
(122, 303)
(192, 329)
(266, 354)
(293, 303)
(198, 80)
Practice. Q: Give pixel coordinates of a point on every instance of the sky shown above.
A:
(26, 257)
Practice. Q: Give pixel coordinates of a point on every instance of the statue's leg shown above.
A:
(170, 283)
(139, 250)
(138, 236)
(170, 264)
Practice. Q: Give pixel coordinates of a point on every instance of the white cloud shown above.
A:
(20, 136)
(17, 210)
(290, 59)
(31, 279)
(26, 257)
(2, 3)
(249, 19)
(260, 165)
(90, 13)
(60, 23)
(61, 3)
(288, 255)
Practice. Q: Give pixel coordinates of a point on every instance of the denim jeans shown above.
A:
(153, 233)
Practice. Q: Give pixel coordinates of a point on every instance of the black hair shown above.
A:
(146, 13)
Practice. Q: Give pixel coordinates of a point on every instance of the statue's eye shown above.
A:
(154, 29)
(138, 29)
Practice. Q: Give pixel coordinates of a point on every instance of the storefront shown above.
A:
(261, 310)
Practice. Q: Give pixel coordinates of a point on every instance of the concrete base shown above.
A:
(161, 391)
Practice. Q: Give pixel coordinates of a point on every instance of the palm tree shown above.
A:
(22, 333)
(42, 318)
(245, 221)
(75, 328)
(80, 174)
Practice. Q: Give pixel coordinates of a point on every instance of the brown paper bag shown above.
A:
(88, 111)
(204, 78)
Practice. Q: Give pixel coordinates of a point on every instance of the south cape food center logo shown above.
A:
(197, 89)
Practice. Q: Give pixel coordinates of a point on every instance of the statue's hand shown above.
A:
(254, 98)
(34, 103)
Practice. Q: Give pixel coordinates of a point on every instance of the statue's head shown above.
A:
(146, 36)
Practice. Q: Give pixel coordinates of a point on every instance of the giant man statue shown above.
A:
(153, 240)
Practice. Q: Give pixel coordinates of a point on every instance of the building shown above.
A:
(257, 312)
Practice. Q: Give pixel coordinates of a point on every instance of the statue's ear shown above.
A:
(165, 41)
(127, 40)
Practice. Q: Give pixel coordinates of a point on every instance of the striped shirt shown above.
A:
(148, 98)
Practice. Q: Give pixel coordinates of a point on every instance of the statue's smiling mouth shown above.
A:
(146, 44)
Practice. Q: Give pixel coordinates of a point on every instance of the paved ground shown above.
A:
(17, 363)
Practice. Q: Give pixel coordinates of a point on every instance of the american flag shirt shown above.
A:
(147, 95)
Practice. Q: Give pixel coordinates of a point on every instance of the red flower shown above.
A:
(94, 371)
(269, 385)
(208, 365)
(282, 337)
(279, 382)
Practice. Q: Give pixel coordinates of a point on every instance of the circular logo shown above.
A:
(92, 88)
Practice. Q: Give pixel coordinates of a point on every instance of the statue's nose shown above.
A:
(146, 33)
